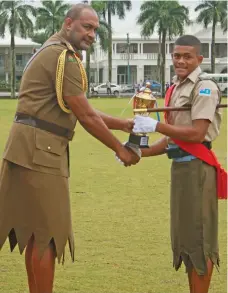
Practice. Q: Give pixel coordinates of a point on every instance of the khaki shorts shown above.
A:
(194, 215)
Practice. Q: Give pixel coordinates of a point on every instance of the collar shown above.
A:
(193, 76)
(63, 36)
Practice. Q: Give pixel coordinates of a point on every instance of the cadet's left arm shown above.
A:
(194, 133)
(202, 114)
(116, 123)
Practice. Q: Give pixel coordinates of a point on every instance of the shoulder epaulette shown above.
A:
(41, 49)
(205, 77)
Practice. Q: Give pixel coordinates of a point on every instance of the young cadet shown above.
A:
(187, 140)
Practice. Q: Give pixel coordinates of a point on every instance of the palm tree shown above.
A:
(102, 34)
(39, 37)
(212, 12)
(50, 16)
(111, 8)
(14, 17)
(168, 18)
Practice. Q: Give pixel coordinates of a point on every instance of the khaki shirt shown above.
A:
(31, 147)
(203, 104)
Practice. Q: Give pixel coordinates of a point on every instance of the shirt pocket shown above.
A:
(185, 97)
(49, 149)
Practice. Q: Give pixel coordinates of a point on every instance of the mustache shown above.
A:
(91, 40)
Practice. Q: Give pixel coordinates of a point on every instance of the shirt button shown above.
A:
(49, 147)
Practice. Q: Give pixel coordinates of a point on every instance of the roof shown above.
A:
(5, 42)
(207, 33)
(195, 29)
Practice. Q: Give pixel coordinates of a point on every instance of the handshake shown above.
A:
(128, 155)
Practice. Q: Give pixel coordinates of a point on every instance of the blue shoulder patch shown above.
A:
(205, 92)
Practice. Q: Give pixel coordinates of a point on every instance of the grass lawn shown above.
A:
(120, 218)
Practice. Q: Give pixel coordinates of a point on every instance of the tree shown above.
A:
(168, 18)
(212, 12)
(50, 16)
(14, 17)
(111, 8)
(39, 37)
(102, 36)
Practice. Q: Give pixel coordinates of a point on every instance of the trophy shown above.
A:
(143, 100)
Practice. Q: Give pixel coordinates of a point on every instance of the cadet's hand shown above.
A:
(128, 125)
(127, 156)
(144, 124)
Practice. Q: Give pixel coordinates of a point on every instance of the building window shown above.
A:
(220, 50)
(134, 48)
(92, 75)
(171, 46)
(205, 50)
(150, 72)
(19, 59)
(1, 61)
(150, 48)
(100, 75)
(122, 74)
(123, 48)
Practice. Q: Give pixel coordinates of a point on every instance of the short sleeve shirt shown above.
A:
(203, 96)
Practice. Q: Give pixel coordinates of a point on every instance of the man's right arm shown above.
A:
(75, 98)
(91, 121)
(156, 149)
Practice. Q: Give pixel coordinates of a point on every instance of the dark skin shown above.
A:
(81, 34)
(185, 60)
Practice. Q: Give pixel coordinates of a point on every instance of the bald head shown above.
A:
(80, 25)
(77, 9)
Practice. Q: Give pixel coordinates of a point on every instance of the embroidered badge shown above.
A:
(205, 92)
(71, 59)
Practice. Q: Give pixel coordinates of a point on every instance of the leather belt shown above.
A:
(44, 125)
(176, 152)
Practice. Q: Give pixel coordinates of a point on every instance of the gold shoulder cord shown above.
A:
(59, 79)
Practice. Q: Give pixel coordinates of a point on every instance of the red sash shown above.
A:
(201, 152)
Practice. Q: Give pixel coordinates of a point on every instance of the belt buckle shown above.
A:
(173, 152)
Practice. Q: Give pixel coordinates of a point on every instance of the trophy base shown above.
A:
(138, 141)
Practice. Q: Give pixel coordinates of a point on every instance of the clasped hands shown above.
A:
(141, 124)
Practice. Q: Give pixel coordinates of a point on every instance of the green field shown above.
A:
(120, 219)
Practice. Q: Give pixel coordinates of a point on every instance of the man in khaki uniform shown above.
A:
(34, 193)
(194, 202)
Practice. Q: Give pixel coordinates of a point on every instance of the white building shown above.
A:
(142, 62)
(24, 49)
(143, 57)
